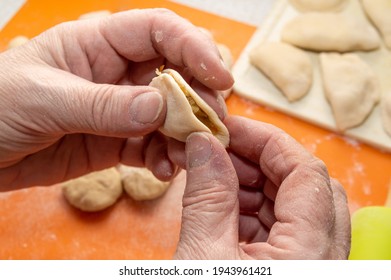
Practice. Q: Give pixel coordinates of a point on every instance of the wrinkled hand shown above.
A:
(287, 206)
(75, 99)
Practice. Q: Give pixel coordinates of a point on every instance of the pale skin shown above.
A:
(268, 193)
(75, 99)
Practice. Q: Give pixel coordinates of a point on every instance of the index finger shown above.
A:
(277, 153)
(141, 35)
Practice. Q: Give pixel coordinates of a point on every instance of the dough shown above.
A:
(186, 111)
(350, 86)
(95, 191)
(386, 113)
(140, 183)
(379, 12)
(95, 14)
(318, 5)
(330, 32)
(17, 41)
(287, 66)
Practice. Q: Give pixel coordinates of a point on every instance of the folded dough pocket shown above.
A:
(187, 112)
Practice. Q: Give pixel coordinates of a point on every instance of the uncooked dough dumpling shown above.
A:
(330, 32)
(379, 12)
(95, 191)
(350, 86)
(318, 5)
(17, 41)
(386, 112)
(287, 66)
(95, 14)
(187, 112)
(140, 183)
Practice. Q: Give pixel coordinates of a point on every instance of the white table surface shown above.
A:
(8, 8)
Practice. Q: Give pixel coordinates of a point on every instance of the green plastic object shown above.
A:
(371, 234)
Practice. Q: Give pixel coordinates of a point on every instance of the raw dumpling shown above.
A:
(17, 41)
(187, 112)
(95, 14)
(287, 66)
(350, 86)
(318, 5)
(95, 191)
(386, 113)
(379, 12)
(330, 32)
(140, 183)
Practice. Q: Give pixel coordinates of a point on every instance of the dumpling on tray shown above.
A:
(350, 86)
(318, 5)
(330, 32)
(288, 67)
(379, 12)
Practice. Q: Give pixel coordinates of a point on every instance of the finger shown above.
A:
(258, 207)
(74, 105)
(250, 200)
(210, 202)
(141, 73)
(70, 157)
(248, 173)
(251, 230)
(176, 152)
(133, 151)
(275, 151)
(157, 160)
(157, 32)
(149, 152)
(116, 41)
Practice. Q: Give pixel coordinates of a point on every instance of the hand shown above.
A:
(287, 206)
(75, 99)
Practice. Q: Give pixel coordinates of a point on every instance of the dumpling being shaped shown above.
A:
(379, 12)
(330, 32)
(187, 112)
(318, 5)
(350, 86)
(289, 68)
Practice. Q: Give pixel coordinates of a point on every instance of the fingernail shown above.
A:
(198, 149)
(146, 107)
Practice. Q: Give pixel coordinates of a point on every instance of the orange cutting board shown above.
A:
(37, 223)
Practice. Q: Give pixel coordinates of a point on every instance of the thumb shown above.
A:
(210, 203)
(109, 110)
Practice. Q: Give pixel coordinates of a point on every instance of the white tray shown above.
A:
(314, 108)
